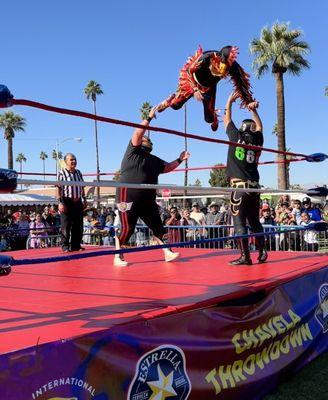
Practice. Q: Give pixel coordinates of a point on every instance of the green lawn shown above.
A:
(310, 383)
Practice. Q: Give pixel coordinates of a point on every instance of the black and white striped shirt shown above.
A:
(73, 192)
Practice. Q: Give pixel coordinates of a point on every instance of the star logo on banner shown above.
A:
(162, 388)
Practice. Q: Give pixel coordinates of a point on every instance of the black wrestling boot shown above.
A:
(263, 254)
(245, 258)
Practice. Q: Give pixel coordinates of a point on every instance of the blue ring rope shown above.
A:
(319, 226)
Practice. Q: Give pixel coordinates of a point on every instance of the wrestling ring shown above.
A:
(76, 327)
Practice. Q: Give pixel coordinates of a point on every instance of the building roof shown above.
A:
(14, 199)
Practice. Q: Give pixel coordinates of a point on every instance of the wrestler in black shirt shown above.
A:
(140, 166)
(242, 169)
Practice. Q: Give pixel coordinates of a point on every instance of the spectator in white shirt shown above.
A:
(310, 237)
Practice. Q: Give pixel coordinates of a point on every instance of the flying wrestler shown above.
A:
(242, 169)
(199, 77)
(140, 166)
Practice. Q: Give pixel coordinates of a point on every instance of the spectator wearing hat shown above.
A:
(223, 214)
(197, 215)
(314, 213)
(212, 218)
(266, 217)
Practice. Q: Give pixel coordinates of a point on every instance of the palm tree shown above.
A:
(20, 159)
(283, 49)
(11, 123)
(43, 157)
(92, 90)
(56, 155)
(145, 110)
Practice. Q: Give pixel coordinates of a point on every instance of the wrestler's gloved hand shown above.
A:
(8, 180)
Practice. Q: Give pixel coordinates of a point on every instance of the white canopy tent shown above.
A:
(13, 199)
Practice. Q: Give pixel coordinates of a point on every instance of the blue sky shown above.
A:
(50, 50)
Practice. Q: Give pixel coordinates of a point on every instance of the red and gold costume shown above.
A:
(201, 73)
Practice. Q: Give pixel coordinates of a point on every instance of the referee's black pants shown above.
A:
(71, 224)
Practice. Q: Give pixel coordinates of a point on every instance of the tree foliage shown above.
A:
(11, 123)
(21, 158)
(116, 177)
(92, 90)
(43, 155)
(145, 110)
(280, 49)
(218, 176)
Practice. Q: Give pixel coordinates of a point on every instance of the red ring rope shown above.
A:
(82, 114)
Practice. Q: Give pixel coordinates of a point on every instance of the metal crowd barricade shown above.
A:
(45, 241)
(284, 240)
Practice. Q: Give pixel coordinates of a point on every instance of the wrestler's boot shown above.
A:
(215, 123)
(169, 255)
(119, 258)
(245, 258)
(263, 255)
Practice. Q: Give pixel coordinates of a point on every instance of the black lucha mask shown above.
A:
(247, 132)
(225, 52)
(247, 126)
(248, 137)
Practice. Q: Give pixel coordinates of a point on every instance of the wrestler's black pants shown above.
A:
(71, 220)
(245, 208)
(133, 204)
(208, 103)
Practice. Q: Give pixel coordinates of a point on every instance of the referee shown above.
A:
(71, 204)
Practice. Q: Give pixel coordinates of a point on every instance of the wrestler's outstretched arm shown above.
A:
(184, 155)
(139, 132)
(227, 118)
(257, 119)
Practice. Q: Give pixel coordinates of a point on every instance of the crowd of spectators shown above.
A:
(36, 225)
(215, 221)
(39, 227)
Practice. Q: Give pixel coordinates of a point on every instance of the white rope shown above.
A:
(173, 188)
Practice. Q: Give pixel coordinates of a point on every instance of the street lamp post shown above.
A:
(59, 142)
